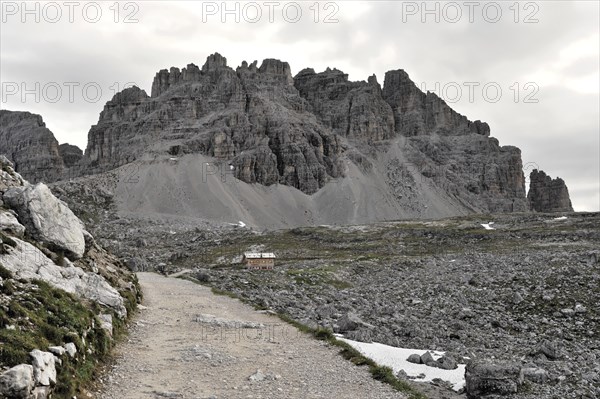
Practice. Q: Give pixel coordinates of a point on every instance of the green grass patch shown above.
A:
(43, 316)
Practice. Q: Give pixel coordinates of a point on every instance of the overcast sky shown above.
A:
(543, 57)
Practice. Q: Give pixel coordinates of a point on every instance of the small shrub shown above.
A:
(323, 334)
(7, 287)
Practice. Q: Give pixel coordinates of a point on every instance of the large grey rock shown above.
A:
(71, 349)
(446, 362)
(547, 194)
(551, 349)
(47, 218)
(106, 322)
(485, 379)
(427, 359)
(27, 262)
(534, 374)
(17, 382)
(44, 370)
(10, 224)
(414, 358)
(351, 322)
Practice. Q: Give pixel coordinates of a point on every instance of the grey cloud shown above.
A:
(560, 133)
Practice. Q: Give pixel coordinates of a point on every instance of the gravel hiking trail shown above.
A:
(186, 342)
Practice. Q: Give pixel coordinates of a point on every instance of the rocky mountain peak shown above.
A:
(276, 67)
(214, 62)
(310, 130)
(30, 145)
(547, 194)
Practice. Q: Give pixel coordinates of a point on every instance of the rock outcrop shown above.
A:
(547, 194)
(30, 145)
(351, 109)
(253, 118)
(70, 154)
(47, 221)
(47, 218)
(47, 299)
(266, 126)
(272, 128)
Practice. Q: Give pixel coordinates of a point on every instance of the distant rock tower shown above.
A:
(547, 194)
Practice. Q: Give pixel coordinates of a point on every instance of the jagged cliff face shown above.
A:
(70, 154)
(25, 141)
(275, 128)
(268, 127)
(253, 117)
(547, 194)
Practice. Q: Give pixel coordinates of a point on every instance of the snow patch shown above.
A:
(395, 358)
(488, 226)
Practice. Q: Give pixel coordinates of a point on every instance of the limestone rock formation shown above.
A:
(547, 194)
(265, 126)
(417, 113)
(70, 154)
(253, 117)
(49, 300)
(272, 128)
(28, 262)
(351, 109)
(30, 146)
(47, 218)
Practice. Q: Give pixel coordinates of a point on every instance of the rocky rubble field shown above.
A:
(523, 296)
(521, 300)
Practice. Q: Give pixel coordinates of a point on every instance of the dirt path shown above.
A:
(190, 343)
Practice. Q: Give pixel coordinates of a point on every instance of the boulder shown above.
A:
(534, 374)
(484, 379)
(44, 370)
(551, 349)
(57, 350)
(446, 363)
(28, 262)
(71, 349)
(350, 322)
(17, 382)
(47, 218)
(10, 224)
(427, 359)
(414, 358)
